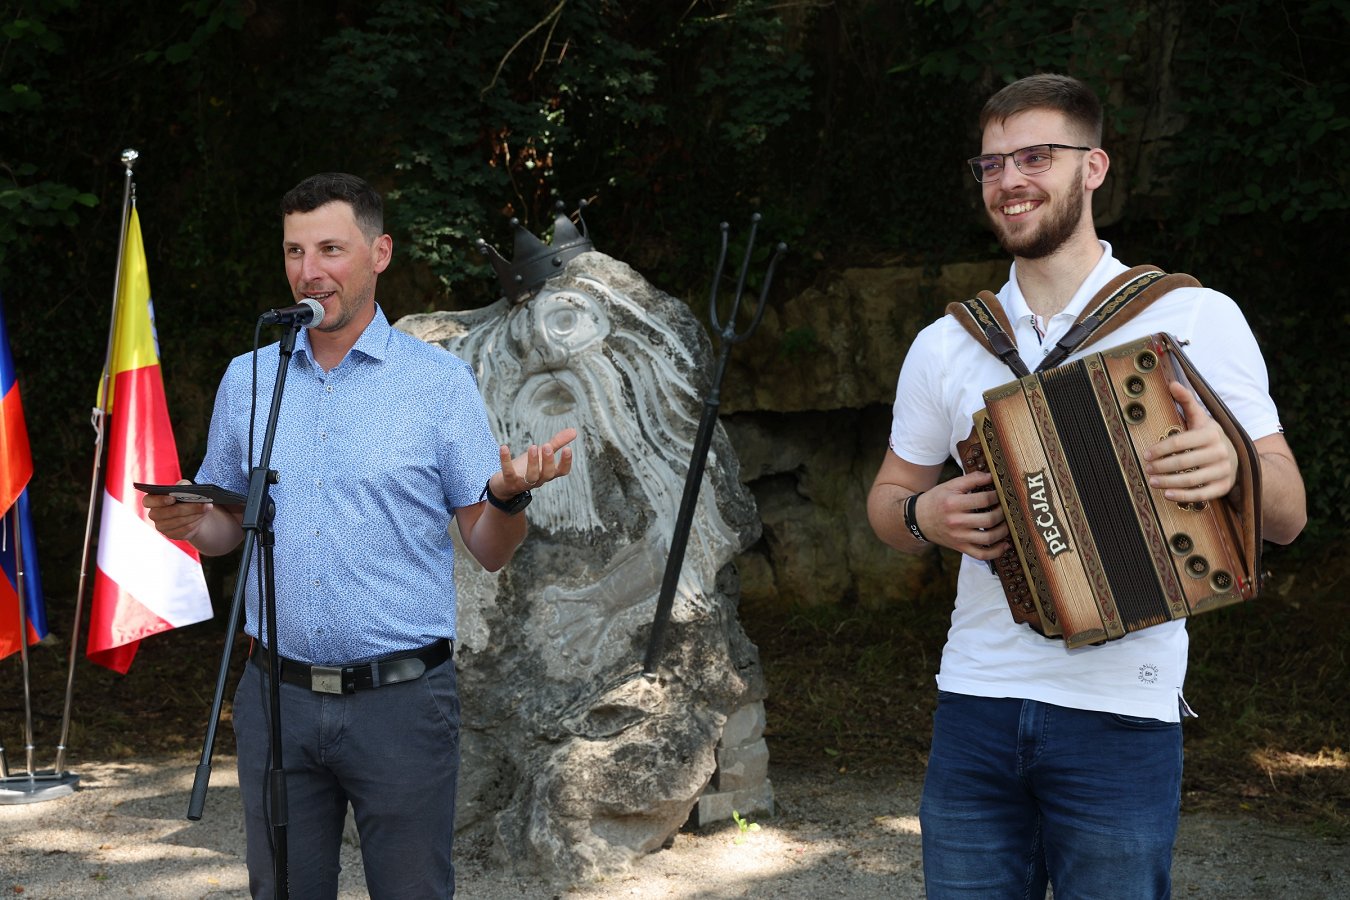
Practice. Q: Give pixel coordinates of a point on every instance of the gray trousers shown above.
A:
(392, 752)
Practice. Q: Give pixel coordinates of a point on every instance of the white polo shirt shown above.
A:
(942, 380)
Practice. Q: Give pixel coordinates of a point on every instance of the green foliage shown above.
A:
(37, 205)
(208, 17)
(743, 827)
(758, 88)
(443, 168)
(990, 42)
(670, 114)
(1267, 117)
(520, 106)
(1260, 202)
(843, 123)
(30, 49)
(799, 340)
(1241, 109)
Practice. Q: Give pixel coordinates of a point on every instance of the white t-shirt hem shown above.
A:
(1164, 709)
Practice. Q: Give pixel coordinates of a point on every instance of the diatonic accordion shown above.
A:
(1096, 553)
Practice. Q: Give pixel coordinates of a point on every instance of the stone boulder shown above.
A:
(573, 760)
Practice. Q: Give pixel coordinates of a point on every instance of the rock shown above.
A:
(574, 762)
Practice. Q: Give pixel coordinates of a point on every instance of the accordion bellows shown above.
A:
(1096, 553)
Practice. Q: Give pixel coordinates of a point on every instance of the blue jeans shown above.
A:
(1020, 793)
(392, 752)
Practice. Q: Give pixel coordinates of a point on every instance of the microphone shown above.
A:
(306, 313)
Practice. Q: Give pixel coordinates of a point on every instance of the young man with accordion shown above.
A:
(1058, 761)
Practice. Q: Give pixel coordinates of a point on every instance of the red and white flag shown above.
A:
(145, 582)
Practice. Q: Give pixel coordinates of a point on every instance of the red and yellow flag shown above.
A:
(145, 582)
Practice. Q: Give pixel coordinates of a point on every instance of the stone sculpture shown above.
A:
(573, 762)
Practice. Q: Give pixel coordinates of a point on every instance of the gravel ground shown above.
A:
(124, 834)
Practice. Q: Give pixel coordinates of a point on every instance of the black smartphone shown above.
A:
(194, 493)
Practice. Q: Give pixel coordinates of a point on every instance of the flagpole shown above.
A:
(12, 521)
(33, 786)
(129, 158)
(23, 634)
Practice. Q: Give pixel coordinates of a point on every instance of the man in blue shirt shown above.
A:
(381, 440)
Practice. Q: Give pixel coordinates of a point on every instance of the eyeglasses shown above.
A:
(1029, 161)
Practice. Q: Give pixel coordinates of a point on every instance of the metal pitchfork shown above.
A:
(679, 540)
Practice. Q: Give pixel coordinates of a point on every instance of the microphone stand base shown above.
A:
(37, 787)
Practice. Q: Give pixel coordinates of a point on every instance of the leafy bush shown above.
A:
(843, 123)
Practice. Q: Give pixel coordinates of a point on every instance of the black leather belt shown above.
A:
(392, 669)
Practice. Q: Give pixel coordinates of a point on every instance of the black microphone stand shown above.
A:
(259, 512)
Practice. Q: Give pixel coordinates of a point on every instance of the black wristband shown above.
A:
(911, 521)
(510, 505)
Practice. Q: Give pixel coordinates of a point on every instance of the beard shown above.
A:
(1053, 233)
(637, 449)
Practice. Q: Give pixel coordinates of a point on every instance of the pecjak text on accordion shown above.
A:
(1095, 552)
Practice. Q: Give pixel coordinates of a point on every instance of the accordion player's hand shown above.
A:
(963, 514)
(1197, 463)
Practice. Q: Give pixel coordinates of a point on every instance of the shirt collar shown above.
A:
(373, 342)
(1107, 268)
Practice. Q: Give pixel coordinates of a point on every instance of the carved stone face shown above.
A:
(584, 352)
(559, 377)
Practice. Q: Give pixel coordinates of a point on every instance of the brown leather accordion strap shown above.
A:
(1123, 298)
(983, 317)
(1120, 300)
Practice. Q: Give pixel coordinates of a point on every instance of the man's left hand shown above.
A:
(538, 465)
(1198, 463)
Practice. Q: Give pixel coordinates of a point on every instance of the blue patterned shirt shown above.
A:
(372, 458)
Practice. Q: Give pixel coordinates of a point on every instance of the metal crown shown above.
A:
(532, 261)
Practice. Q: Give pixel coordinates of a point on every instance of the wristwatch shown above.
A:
(510, 505)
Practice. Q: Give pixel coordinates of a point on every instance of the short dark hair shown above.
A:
(1066, 95)
(317, 190)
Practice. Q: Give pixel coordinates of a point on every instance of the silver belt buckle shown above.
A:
(325, 679)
